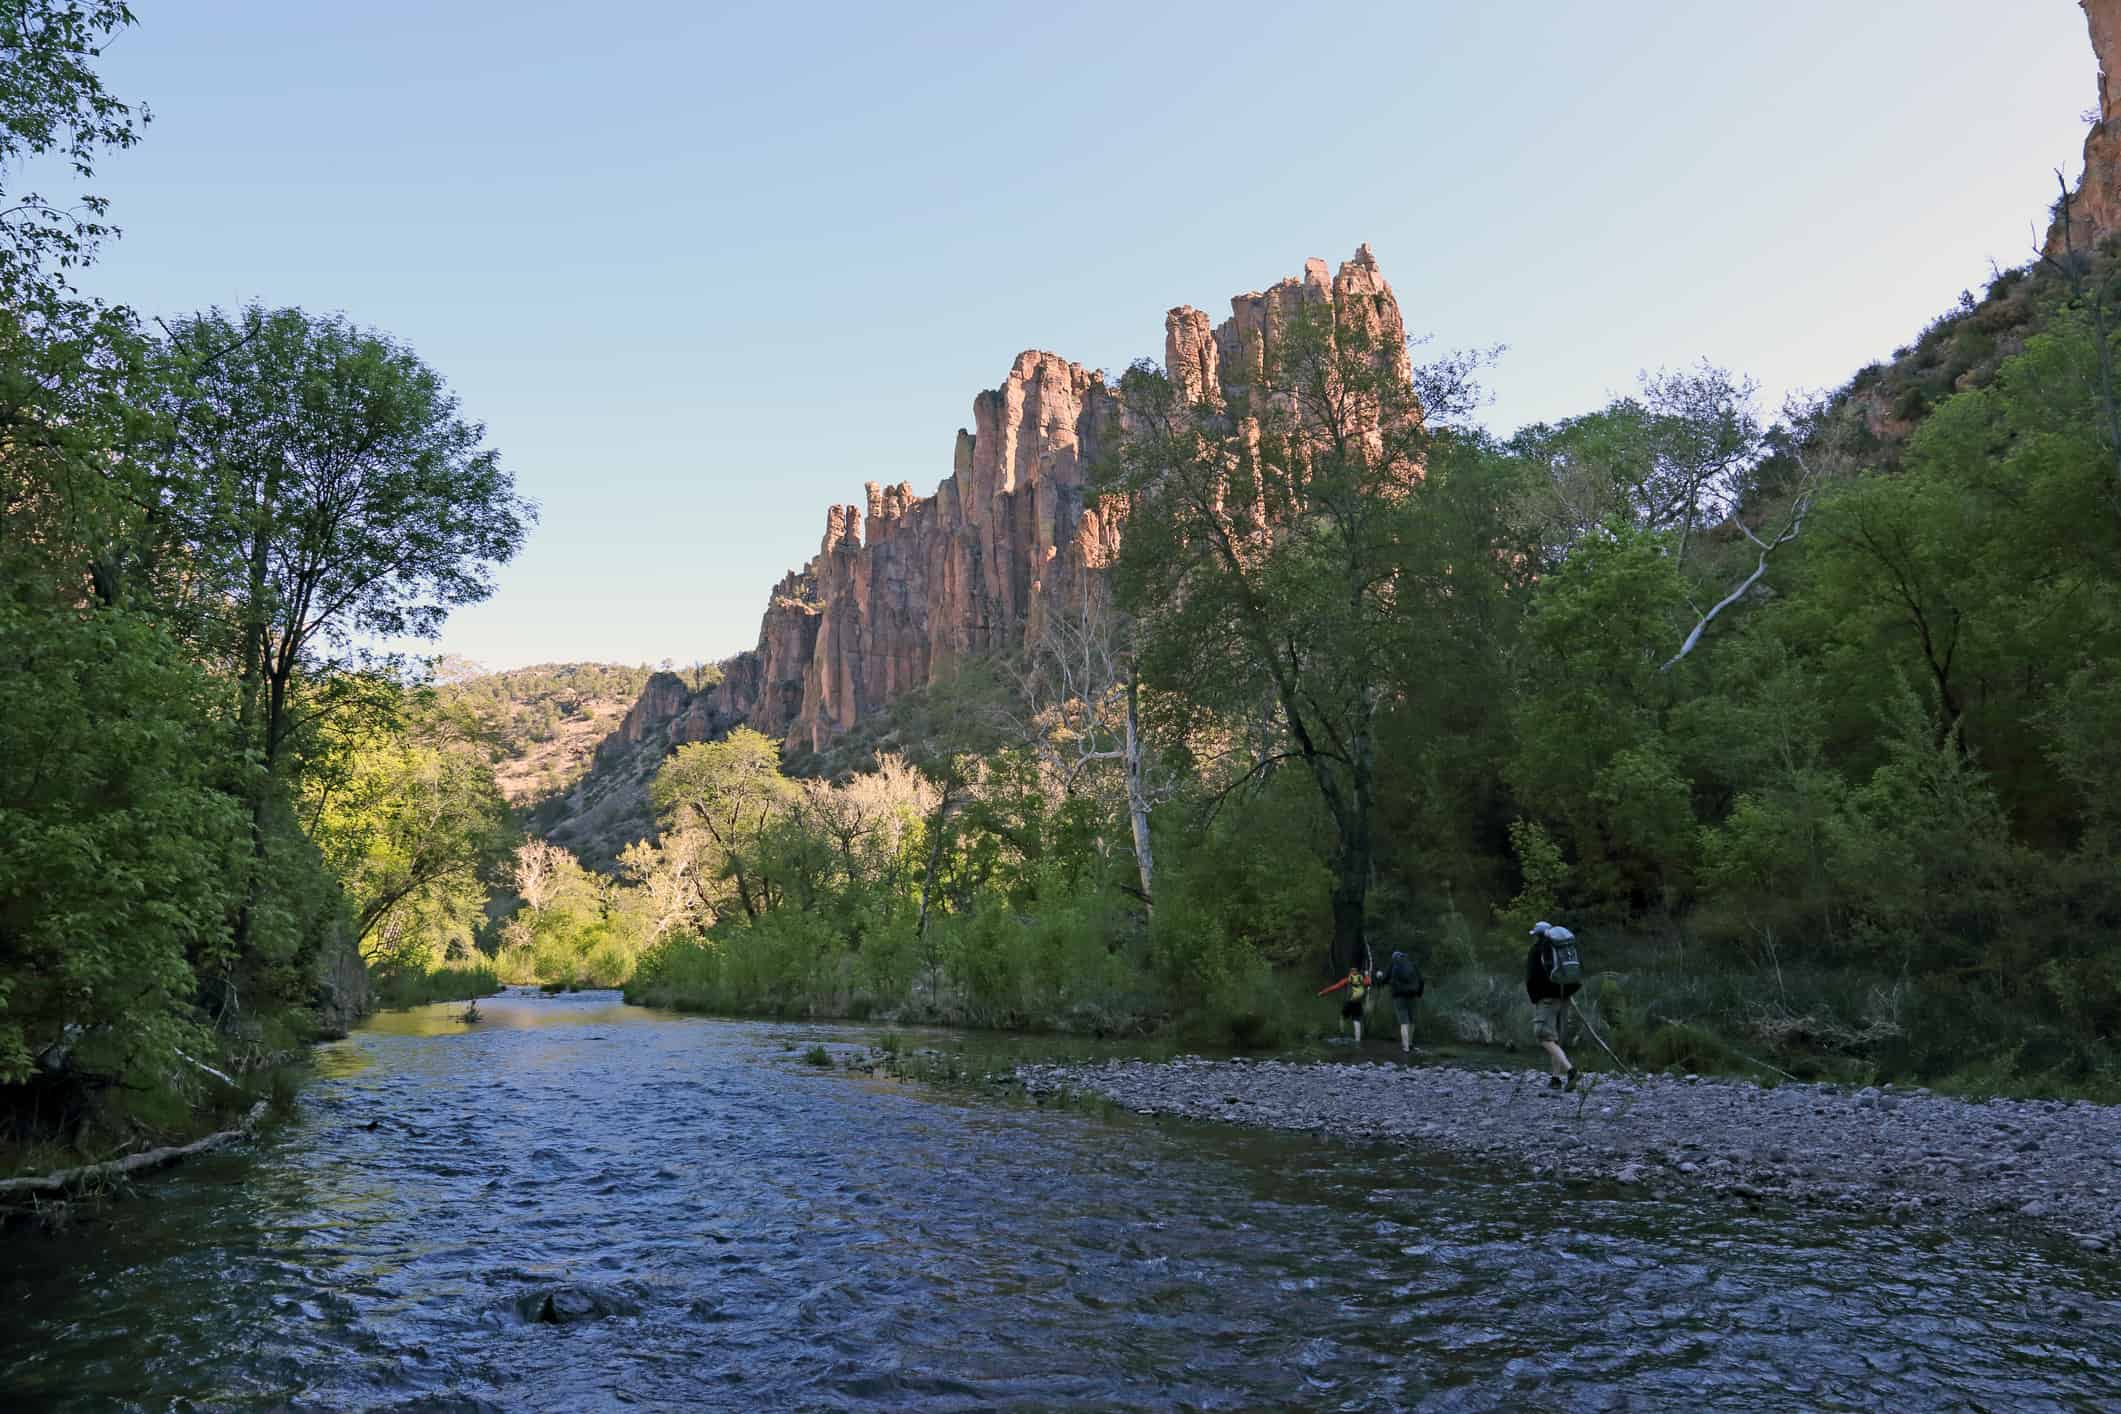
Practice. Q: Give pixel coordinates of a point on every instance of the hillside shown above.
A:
(601, 805)
(542, 724)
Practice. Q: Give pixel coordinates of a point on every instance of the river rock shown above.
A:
(572, 1302)
(1800, 1143)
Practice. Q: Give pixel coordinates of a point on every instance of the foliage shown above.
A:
(200, 536)
(346, 498)
(409, 819)
(717, 800)
(1862, 828)
(1377, 673)
(53, 105)
(1263, 556)
(411, 986)
(561, 933)
(120, 848)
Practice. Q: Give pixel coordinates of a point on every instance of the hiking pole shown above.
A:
(1596, 1037)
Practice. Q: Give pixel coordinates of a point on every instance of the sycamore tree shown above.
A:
(1266, 538)
(329, 496)
(715, 801)
(1674, 458)
(563, 932)
(412, 823)
(342, 498)
(1079, 710)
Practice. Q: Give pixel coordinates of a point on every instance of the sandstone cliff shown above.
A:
(2094, 209)
(905, 587)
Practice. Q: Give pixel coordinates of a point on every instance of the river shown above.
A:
(578, 1205)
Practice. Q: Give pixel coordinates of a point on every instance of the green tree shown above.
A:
(1467, 573)
(1676, 458)
(562, 927)
(1265, 539)
(336, 498)
(716, 800)
(349, 501)
(411, 822)
(1592, 755)
(53, 105)
(119, 849)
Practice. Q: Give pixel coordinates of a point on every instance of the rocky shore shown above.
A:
(1904, 1153)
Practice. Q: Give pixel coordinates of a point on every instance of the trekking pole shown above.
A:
(1598, 1038)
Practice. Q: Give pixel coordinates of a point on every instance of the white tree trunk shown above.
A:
(1138, 797)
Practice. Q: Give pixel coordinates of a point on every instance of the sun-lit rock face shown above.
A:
(2095, 207)
(905, 587)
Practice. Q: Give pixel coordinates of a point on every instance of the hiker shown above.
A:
(1403, 976)
(1358, 983)
(1553, 970)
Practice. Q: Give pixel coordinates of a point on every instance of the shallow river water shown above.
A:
(719, 1225)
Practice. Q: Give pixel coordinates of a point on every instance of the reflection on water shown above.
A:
(703, 1221)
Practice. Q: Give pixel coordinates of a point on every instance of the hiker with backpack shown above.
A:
(1403, 976)
(1553, 970)
(1358, 982)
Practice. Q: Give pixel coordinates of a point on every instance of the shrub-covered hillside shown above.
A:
(542, 724)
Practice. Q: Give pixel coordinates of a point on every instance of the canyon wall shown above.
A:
(905, 587)
(2094, 209)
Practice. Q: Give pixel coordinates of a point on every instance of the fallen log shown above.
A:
(65, 1179)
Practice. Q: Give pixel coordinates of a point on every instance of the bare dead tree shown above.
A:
(1082, 707)
(1703, 437)
(1797, 415)
(537, 868)
(1792, 525)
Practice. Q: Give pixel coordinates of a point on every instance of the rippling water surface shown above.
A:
(720, 1226)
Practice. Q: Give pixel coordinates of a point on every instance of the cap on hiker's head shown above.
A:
(1540, 927)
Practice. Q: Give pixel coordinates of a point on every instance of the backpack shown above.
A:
(1564, 962)
(1404, 976)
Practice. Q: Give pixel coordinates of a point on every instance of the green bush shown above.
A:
(122, 852)
(411, 987)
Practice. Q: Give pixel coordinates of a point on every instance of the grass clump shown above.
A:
(405, 987)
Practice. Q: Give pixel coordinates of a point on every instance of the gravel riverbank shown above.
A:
(1903, 1153)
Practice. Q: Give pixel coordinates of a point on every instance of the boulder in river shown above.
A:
(571, 1302)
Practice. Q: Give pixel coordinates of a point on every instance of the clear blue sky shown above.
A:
(705, 269)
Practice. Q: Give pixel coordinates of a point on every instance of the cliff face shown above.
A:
(904, 587)
(2094, 210)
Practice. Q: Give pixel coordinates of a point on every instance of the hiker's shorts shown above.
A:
(1351, 1010)
(1403, 1008)
(1546, 1019)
